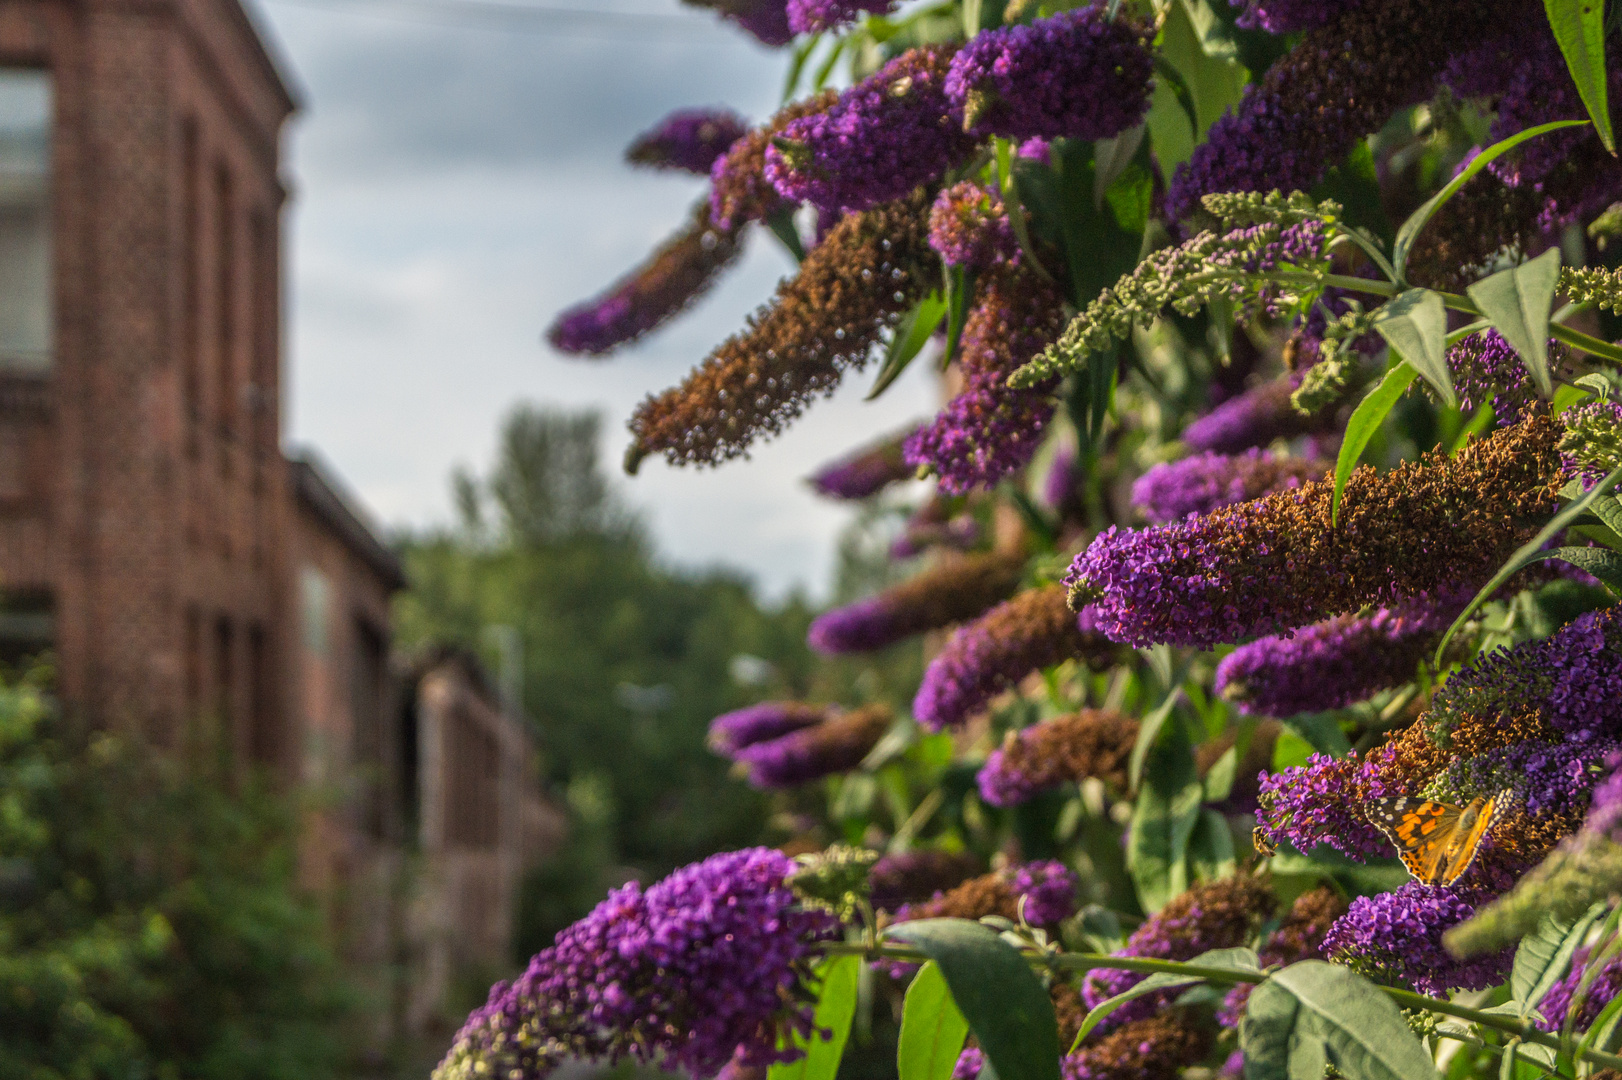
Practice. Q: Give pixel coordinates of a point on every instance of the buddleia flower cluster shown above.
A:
(1267, 493)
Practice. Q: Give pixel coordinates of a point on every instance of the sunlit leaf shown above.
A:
(1579, 27)
(1366, 420)
(1518, 301)
(1414, 324)
(932, 1028)
(836, 1007)
(912, 333)
(1409, 232)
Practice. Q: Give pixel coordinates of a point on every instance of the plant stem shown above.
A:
(1087, 961)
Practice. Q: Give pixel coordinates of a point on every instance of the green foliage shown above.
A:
(150, 924)
(999, 995)
(1312, 1015)
(625, 661)
(932, 1028)
(836, 1008)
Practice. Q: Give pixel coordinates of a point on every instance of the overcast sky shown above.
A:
(459, 180)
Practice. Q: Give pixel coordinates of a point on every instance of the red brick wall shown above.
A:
(158, 517)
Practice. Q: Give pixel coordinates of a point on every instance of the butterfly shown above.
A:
(1437, 841)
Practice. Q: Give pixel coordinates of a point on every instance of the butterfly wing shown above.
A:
(1421, 831)
(1476, 822)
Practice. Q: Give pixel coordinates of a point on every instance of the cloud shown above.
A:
(455, 189)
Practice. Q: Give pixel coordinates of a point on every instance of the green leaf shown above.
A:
(1417, 220)
(1543, 955)
(1232, 959)
(1323, 731)
(1366, 420)
(1210, 848)
(909, 338)
(1579, 27)
(1529, 553)
(1003, 1001)
(1163, 820)
(781, 223)
(1111, 158)
(1518, 301)
(1148, 735)
(1099, 243)
(1220, 776)
(1414, 324)
(835, 1009)
(1603, 564)
(1313, 1014)
(932, 1028)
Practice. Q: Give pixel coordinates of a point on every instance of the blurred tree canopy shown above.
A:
(625, 660)
(150, 921)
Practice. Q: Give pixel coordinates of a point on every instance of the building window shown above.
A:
(225, 296)
(25, 225)
(314, 604)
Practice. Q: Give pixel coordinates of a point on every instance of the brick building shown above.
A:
(197, 587)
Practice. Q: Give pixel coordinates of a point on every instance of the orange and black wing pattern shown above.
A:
(1436, 841)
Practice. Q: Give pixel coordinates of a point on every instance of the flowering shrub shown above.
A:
(1268, 575)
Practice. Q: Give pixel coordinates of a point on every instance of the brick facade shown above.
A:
(196, 587)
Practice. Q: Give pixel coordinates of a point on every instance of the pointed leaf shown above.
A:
(1003, 1001)
(1603, 564)
(908, 340)
(1414, 324)
(1266, 1031)
(1543, 955)
(1518, 301)
(1148, 735)
(1111, 157)
(1416, 221)
(836, 1007)
(1579, 27)
(1163, 820)
(1366, 420)
(932, 1028)
(1210, 848)
(1529, 553)
(1233, 959)
(1339, 1018)
(1601, 1031)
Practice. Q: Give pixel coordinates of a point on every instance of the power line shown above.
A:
(528, 18)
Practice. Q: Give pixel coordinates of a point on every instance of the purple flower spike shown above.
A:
(886, 135)
(703, 969)
(1557, 1002)
(1397, 937)
(1047, 890)
(816, 16)
(1253, 418)
(1197, 485)
(1343, 81)
(954, 590)
(865, 472)
(1573, 678)
(1335, 663)
(811, 753)
(1034, 630)
(731, 732)
(990, 430)
(1078, 74)
(688, 139)
(968, 226)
